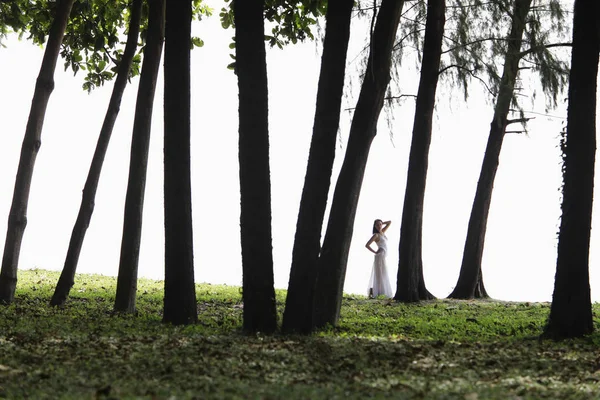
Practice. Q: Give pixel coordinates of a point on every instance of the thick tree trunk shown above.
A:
(67, 277)
(17, 219)
(334, 254)
(571, 310)
(470, 281)
(140, 142)
(180, 293)
(307, 243)
(411, 284)
(260, 314)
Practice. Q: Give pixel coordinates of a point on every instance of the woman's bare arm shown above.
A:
(386, 225)
(374, 238)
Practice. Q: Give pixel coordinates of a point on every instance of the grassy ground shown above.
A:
(434, 350)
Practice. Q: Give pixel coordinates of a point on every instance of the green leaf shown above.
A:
(197, 42)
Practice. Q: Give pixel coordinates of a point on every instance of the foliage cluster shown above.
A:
(289, 21)
(479, 53)
(381, 349)
(475, 45)
(292, 20)
(93, 41)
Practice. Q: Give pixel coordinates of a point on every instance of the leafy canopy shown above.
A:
(290, 21)
(95, 37)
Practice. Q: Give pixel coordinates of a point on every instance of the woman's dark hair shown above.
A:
(374, 227)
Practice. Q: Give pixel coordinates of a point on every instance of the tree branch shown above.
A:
(409, 34)
(518, 121)
(389, 98)
(471, 72)
(543, 46)
(474, 42)
(400, 96)
(114, 60)
(473, 5)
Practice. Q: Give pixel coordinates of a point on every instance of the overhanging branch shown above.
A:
(543, 46)
(389, 98)
(400, 97)
(518, 121)
(474, 42)
(471, 72)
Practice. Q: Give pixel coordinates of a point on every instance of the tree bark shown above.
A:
(410, 285)
(307, 243)
(571, 310)
(260, 314)
(134, 199)
(17, 219)
(470, 281)
(67, 277)
(334, 253)
(180, 292)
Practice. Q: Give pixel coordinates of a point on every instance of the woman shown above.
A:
(379, 284)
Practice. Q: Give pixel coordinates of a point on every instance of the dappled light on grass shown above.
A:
(450, 320)
(381, 349)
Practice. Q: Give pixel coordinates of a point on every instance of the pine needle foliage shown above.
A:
(477, 44)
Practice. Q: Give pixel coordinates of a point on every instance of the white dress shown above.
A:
(379, 284)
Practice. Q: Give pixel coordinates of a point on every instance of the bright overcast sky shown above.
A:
(520, 253)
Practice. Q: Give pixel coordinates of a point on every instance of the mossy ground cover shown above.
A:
(433, 350)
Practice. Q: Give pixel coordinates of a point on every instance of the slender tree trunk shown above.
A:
(470, 281)
(140, 142)
(67, 277)
(298, 307)
(17, 219)
(334, 254)
(411, 284)
(260, 314)
(571, 310)
(180, 293)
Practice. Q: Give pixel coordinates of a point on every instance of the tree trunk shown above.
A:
(334, 254)
(307, 243)
(260, 314)
(571, 310)
(411, 284)
(17, 219)
(470, 281)
(140, 142)
(180, 293)
(67, 277)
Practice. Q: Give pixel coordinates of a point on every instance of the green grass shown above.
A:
(439, 349)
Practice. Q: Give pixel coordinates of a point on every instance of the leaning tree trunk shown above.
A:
(140, 142)
(67, 277)
(260, 314)
(411, 284)
(334, 254)
(17, 219)
(571, 310)
(470, 281)
(307, 243)
(180, 293)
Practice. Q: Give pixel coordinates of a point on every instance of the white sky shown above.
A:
(520, 253)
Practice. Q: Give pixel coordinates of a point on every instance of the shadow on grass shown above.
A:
(381, 349)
